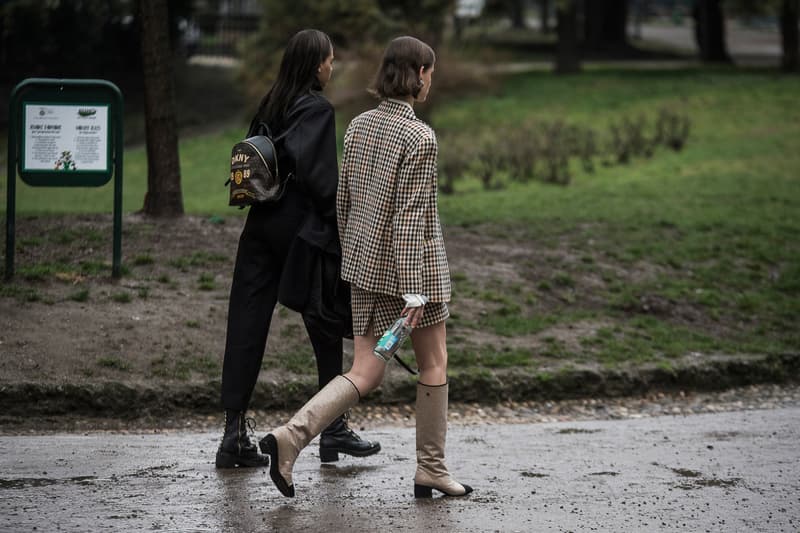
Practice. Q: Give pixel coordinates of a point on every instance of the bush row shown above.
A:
(544, 150)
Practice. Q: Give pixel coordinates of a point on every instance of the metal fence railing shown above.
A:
(217, 27)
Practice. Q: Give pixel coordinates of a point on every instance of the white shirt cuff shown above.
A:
(415, 300)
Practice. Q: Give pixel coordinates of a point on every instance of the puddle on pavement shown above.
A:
(695, 480)
(703, 483)
(152, 471)
(685, 472)
(474, 440)
(732, 482)
(349, 471)
(533, 474)
(28, 482)
(723, 435)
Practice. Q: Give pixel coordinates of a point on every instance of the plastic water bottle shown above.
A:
(390, 342)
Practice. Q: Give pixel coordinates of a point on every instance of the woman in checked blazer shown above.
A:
(394, 258)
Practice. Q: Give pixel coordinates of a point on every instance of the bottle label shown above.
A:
(387, 341)
(391, 340)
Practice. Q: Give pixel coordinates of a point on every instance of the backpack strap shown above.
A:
(404, 365)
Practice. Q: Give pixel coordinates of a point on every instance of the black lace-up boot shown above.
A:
(339, 438)
(236, 448)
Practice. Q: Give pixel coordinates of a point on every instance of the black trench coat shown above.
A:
(310, 282)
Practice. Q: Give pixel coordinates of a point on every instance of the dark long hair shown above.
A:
(297, 74)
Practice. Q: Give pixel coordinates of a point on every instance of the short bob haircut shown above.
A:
(398, 75)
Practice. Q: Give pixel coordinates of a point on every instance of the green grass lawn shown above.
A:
(691, 251)
(205, 165)
(713, 227)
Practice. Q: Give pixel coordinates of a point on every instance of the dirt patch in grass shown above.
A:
(519, 300)
(64, 319)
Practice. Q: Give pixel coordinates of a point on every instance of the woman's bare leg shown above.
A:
(367, 370)
(430, 349)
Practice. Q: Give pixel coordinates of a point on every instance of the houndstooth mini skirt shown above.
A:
(381, 310)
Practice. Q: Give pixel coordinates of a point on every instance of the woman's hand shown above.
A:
(415, 305)
(413, 315)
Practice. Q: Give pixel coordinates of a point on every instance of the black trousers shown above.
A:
(263, 247)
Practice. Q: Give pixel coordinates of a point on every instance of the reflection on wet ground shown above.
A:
(737, 471)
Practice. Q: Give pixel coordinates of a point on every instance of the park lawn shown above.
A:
(688, 252)
(204, 168)
(685, 254)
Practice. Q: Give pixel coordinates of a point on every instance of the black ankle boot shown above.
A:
(339, 438)
(236, 448)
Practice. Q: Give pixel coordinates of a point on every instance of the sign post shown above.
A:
(65, 133)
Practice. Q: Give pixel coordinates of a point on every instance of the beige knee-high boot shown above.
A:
(285, 443)
(431, 435)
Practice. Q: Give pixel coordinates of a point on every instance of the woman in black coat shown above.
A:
(281, 239)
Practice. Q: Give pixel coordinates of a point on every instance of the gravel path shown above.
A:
(367, 417)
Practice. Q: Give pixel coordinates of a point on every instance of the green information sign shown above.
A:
(65, 133)
(65, 138)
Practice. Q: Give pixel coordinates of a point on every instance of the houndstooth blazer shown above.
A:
(387, 207)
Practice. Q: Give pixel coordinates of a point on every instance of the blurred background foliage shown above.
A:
(101, 38)
(226, 54)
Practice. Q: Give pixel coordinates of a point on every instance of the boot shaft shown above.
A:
(431, 413)
(431, 438)
(286, 442)
(339, 395)
(236, 448)
(235, 436)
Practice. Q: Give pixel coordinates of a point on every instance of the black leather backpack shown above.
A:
(254, 169)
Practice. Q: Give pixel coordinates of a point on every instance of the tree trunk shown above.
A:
(640, 11)
(606, 24)
(163, 196)
(709, 31)
(544, 15)
(567, 56)
(790, 10)
(3, 62)
(517, 11)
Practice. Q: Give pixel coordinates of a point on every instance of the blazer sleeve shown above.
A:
(416, 176)
(312, 145)
(343, 189)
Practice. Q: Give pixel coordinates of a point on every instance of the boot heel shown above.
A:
(225, 460)
(269, 445)
(421, 491)
(328, 456)
(263, 445)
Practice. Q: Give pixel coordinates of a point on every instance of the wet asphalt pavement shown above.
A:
(734, 471)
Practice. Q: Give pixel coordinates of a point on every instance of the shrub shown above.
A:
(618, 146)
(587, 148)
(523, 152)
(543, 150)
(556, 151)
(489, 160)
(672, 128)
(454, 160)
